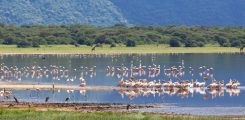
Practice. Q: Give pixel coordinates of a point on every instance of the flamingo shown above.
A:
(83, 83)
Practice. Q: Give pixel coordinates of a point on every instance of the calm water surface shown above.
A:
(225, 66)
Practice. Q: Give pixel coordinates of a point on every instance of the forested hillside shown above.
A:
(43, 12)
(120, 34)
(133, 12)
(183, 12)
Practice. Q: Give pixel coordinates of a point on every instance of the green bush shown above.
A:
(113, 45)
(99, 45)
(76, 45)
(24, 44)
(174, 43)
(226, 45)
(194, 43)
(130, 43)
(236, 43)
(81, 41)
(35, 44)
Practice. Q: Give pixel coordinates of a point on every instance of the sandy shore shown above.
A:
(55, 87)
(24, 86)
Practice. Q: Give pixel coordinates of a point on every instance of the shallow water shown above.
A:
(225, 66)
(214, 111)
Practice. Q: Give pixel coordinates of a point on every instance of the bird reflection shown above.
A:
(132, 93)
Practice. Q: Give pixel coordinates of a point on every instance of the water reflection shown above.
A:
(107, 70)
(183, 93)
(131, 94)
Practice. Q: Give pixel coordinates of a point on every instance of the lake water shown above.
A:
(93, 69)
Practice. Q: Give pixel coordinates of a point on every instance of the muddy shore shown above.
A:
(75, 106)
(94, 107)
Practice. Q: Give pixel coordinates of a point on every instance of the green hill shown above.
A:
(183, 12)
(92, 12)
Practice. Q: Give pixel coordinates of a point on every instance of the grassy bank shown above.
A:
(70, 49)
(14, 114)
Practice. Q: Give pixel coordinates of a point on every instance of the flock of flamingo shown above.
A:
(144, 87)
(183, 93)
(132, 87)
(37, 72)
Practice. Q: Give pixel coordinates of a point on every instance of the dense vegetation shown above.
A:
(8, 114)
(43, 12)
(176, 36)
(183, 12)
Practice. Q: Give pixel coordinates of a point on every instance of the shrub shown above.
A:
(113, 45)
(221, 40)
(81, 41)
(35, 44)
(194, 43)
(236, 43)
(89, 43)
(77, 45)
(23, 44)
(226, 45)
(9, 41)
(200, 44)
(130, 43)
(174, 43)
(98, 45)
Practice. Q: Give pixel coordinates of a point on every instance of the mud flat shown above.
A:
(83, 107)
(29, 86)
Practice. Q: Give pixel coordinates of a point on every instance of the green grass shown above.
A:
(70, 49)
(14, 114)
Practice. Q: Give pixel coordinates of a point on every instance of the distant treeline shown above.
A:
(175, 36)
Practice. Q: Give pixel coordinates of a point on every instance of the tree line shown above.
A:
(175, 36)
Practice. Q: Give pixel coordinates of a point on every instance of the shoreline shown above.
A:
(106, 50)
(109, 54)
(74, 107)
(115, 108)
